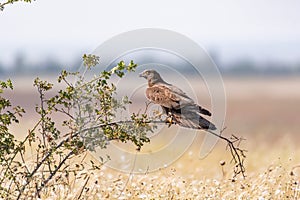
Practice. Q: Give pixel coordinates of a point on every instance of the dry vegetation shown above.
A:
(267, 116)
(279, 180)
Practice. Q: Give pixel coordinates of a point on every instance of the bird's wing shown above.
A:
(187, 102)
(185, 112)
(189, 117)
(179, 92)
(168, 96)
(172, 96)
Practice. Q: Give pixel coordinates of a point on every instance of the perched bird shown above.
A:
(179, 107)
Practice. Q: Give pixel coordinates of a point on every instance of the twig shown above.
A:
(87, 180)
(44, 183)
(65, 112)
(147, 106)
(4, 4)
(130, 174)
(236, 153)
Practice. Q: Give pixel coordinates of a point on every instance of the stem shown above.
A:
(44, 183)
(3, 4)
(236, 154)
(85, 183)
(42, 115)
(43, 125)
(65, 112)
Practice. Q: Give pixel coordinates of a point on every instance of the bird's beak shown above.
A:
(141, 75)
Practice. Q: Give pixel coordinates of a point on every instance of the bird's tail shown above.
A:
(205, 124)
(193, 120)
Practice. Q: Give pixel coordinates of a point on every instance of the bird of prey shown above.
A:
(179, 107)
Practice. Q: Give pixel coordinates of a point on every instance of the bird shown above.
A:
(176, 104)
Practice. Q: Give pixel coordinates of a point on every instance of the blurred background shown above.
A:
(255, 44)
(249, 37)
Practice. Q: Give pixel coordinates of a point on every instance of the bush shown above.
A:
(89, 110)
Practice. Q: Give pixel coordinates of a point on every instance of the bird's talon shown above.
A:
(169, 120)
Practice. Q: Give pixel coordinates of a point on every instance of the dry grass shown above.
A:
(266, 112)
(187, 179)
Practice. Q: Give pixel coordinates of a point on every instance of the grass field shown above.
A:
(264, 111)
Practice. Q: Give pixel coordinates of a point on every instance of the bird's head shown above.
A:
(152, 76)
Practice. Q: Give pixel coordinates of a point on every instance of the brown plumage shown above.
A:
(175, 103)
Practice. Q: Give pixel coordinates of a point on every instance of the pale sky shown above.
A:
(64, 29)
